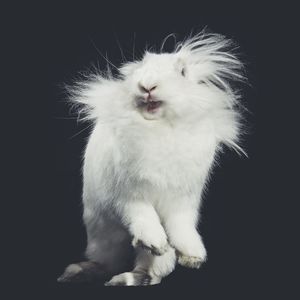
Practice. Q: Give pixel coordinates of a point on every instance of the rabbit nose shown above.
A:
(147, 89)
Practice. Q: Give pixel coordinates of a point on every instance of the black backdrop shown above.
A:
(49, 45)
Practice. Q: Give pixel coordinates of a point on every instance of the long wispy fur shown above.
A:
(158, 126)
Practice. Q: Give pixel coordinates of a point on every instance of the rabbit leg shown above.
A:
(144, 225)
(149, 269)
(181, 227)
(108, 252)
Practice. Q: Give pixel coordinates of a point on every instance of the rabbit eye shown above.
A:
(183, 72)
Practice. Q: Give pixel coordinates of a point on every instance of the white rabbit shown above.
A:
(157, 128)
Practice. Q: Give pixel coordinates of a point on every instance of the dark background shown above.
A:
(242, 217)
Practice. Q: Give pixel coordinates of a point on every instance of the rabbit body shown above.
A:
(157, 130)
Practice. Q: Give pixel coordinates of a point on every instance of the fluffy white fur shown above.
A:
(145, 170)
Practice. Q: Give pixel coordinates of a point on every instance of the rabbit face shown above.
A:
(159, 86)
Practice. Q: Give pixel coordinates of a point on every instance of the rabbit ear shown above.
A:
(128, 68)
(92, 97)
(212, 58)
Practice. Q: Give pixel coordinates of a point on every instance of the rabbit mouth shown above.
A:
(151, 106)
